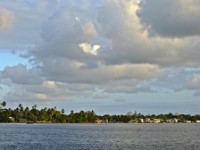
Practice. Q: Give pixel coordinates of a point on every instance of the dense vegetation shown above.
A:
(45, 115)
(52, 115)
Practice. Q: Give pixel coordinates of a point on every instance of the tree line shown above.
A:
(45, 115)
(52, 115)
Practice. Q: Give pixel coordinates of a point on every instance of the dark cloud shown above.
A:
(170, 18)
(20, 74)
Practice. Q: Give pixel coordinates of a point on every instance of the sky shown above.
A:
(110, 56)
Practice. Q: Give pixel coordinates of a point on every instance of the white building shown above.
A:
(156, 120)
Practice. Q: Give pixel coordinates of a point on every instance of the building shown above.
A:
(147, 120)
(141, 121)
(156, 120)
(188, 121)
(174, 120)
(133, 121)
(12, 119)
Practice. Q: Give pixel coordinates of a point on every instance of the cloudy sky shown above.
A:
(111, 56)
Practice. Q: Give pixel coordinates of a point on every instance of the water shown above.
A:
(100, 136)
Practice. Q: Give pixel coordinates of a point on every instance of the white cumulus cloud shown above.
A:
(87, 48)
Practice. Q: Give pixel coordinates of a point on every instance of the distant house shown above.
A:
(174, 120)
(147, 120)
(101, 121)
(133, 121)
(169, 121)
(156, 120)
(12, 119)
(188, 121)
(141, 120)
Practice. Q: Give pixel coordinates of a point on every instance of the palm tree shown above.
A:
(62, 111)
(21, 107)
(34, 106)
(3, 104)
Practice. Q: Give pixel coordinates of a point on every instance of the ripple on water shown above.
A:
(100, 136)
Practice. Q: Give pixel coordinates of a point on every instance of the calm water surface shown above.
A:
(100, 136)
